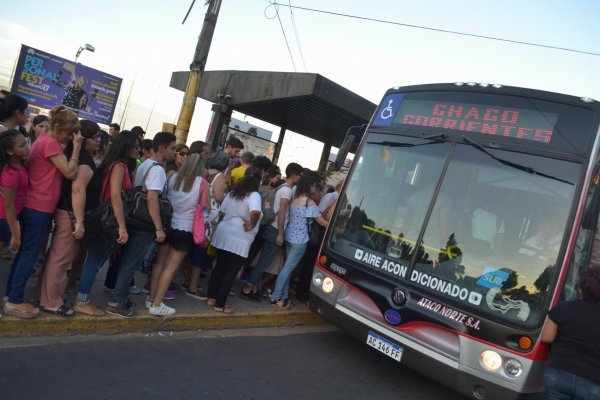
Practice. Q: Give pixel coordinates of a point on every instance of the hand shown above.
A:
(77, 139)
(279, 240)
(79, 230)
(15, 242)
(248, 226)
(123, 236)
(160, 236)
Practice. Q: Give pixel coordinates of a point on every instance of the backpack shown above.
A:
(267, 203)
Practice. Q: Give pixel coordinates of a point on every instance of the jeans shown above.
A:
(562, 385)
(294, 253)
(132, 254)
(34, 225)
(98, 252)
(267, 254)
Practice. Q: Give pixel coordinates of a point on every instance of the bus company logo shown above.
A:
(450, 313)
(337, 269)
(392, 317)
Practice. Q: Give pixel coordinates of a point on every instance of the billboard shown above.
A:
(46, 80)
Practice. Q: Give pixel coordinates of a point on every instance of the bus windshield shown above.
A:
(457, 220)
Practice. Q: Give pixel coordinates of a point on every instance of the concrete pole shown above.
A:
(196, 70)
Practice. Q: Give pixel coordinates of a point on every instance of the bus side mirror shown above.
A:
(340, 159)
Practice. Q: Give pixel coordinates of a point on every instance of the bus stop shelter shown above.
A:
(305, 103)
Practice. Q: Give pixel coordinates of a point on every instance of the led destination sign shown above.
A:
(490, 120)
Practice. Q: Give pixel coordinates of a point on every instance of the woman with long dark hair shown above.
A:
(13, 111)
(241, 211)
(39, 124)
(116, 179)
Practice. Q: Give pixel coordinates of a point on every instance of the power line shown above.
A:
(297, 37)
(274, 3)
(282, 31)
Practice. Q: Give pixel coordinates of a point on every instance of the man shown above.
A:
(133, 252)
(273, 236)
(114, 129)
(233, 146)
(238, 172)
(201, 148)
(329, 199)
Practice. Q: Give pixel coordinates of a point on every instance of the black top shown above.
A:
(576, 348)
(92, 192)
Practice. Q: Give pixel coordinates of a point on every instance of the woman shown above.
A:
(181, 154)
(186, 189)
(573, 329)
(199, 257)
(39, 124)
(242, 212)
(77, 198)
(301, 213)
(48, 164)
(13, 111)
(100, 153)
(116, 179)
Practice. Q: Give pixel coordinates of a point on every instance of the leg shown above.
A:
(96, 257)
(77, 266)
(232, 263)
(557, 384)
(165, 277)
(157, 269)
(306, 267)
(113, 268)
(216, 277)
(267, 254)
(293, 257)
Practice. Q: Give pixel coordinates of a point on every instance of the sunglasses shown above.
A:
(183, 153)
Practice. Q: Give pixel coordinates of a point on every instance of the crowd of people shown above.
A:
(62, 179)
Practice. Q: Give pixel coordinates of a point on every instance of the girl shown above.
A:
(47, 166)
(13, 180)
(40, 124)
(13, 111)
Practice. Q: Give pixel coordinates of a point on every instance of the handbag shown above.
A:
(139, 215)
(201, 226)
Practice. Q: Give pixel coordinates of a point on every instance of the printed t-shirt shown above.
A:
(14, 177)
(45, 180)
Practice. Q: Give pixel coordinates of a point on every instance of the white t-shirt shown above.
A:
(230, 234)
(156, 177)
(327, 200)
(284, 192)
(184, 204)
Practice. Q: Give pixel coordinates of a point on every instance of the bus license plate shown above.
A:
(386, 347)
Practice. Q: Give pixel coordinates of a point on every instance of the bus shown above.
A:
(469, 211)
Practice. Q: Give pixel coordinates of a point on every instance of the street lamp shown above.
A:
(88, 47)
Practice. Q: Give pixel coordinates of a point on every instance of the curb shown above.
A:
(47, 325)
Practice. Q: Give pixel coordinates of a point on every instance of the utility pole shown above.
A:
(196, 71)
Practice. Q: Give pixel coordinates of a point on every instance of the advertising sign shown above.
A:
(46, 81)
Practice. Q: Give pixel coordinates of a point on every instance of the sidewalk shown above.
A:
(191, 314)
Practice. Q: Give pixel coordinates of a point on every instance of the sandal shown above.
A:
(62, 311)
(282, 304)
(211, 302)
(224, 310)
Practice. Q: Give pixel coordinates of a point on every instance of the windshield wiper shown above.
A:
(530, 170)
(434, 139)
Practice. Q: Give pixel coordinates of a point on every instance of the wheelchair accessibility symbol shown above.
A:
(388, 109)
(387, 112)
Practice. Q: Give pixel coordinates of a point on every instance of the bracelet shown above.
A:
(159, 229)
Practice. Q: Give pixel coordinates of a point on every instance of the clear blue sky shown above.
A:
(145, 40)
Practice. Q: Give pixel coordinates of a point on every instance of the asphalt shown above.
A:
(192, 314)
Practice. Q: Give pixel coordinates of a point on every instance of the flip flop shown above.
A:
(224, 310)
(62, 311)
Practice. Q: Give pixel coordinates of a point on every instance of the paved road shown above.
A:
(275, 363)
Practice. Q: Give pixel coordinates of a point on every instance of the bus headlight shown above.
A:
(491, 360)
(318, 279)
(327, 285)
(513, 368)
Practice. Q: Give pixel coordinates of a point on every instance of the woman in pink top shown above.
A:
(47, 167)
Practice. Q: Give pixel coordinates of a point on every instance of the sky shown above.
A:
(143, 42)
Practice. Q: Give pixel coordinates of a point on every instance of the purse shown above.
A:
(139, 215)
(201, 226)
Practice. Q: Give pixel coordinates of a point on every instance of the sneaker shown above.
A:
(170, 295)
(134, 290)
(161, 310)
(87, 308)
(124, 312)
(130, 304)
(146, 288)
(107, 289)
(147, 302)
(198, 295)
(7, 254)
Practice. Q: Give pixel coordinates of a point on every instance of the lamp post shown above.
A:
(87, 47)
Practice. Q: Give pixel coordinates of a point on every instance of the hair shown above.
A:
(88, 128)
(219, 163)
(147, 144)
(272, 172)
(234, 143)
(304, 184)
(137, 130)
(293, 169)
(11, 103)
(248, 184)
(589, 283)
(119, 151)
(38, 119)
(63, 120)
(310, 172)
(247, 157)
(180, 147)
(7, 142)
(262, 163)
(186, 175)
(197, 146)
(162, 139)
(116, 126)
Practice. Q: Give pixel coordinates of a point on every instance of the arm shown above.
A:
(283, 207)
(254, 217)
(320, 220)
(154, 211)
(549, 331)
(218, 186)
(10, 194)
(78, 197)
(69, 167)
(116, 185)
